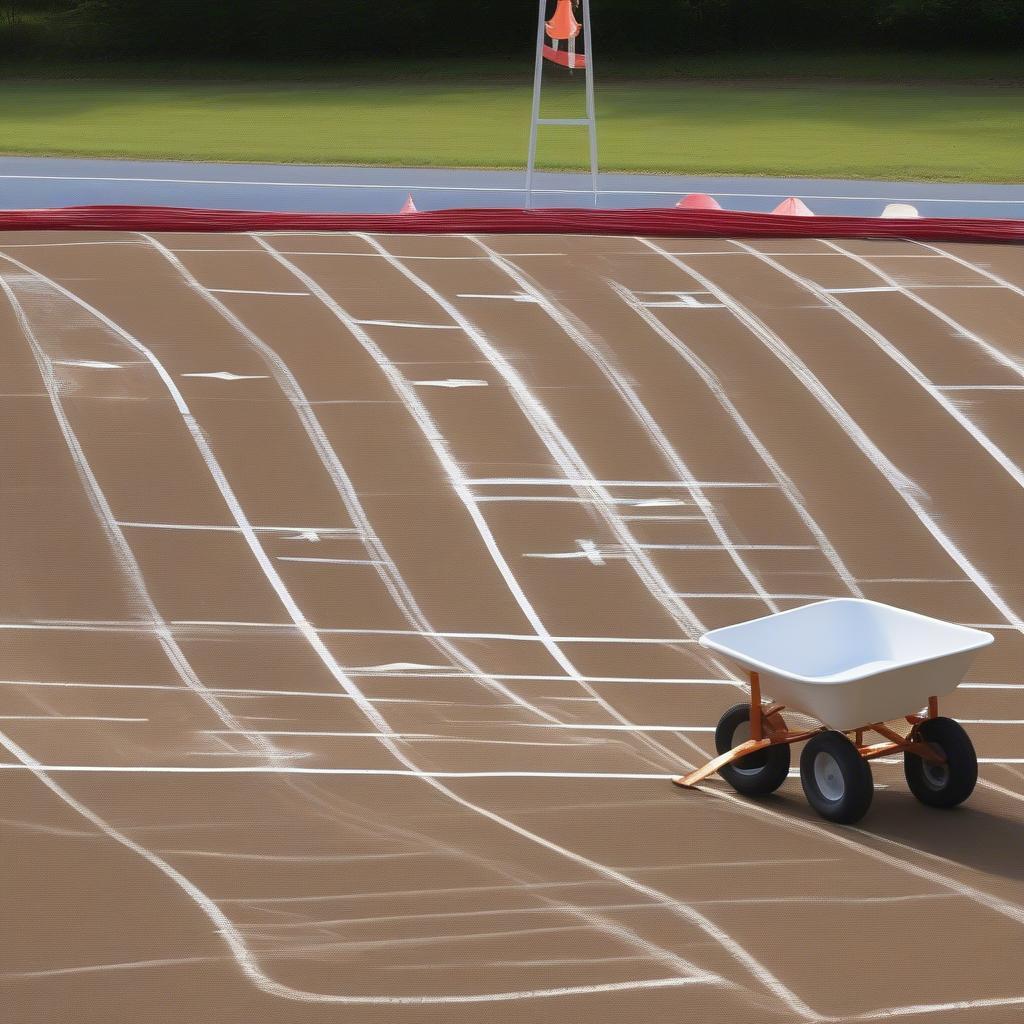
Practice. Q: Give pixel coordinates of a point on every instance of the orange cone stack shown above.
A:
(408, 206)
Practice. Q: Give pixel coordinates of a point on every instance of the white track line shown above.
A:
(513, 189)
(721, 395)
(439, 445)
(897, 356)
(123, 554)
(631, 399)
(247, 962)
(908, 491)
(406, 323)
(249, 291)
(396, 585)
(332, 531)
(976, 268)
(241, 952)
(75, 718)
(550, 481)
(335, 669)
(990, 350)
(459, 483)
(392, 578)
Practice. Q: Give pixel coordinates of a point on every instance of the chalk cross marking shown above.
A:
(588, 550)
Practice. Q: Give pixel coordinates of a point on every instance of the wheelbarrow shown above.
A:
(857, 667)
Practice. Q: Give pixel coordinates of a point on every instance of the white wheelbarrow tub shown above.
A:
(849, 662)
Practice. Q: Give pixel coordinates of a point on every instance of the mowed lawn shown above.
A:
(951, 132)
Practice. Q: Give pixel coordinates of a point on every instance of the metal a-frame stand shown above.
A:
(590, 121)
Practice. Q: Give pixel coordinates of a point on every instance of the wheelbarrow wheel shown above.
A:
(837, 781)
(948, 784)
(757, 774)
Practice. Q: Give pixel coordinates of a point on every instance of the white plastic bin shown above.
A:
(849, 662)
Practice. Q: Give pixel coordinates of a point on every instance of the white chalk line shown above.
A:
(548, 481)
(347, 531)
(721, 395)
(390, 575)
(908, 491)
(121, 550)
(657, 437)
(459, 483)
(244, 958)
(330, 663)
(886, 346)
(976, 268)
(979, 387)
(514, 189)
(204, 449)
(331, 561)
(438, 443)
(112, 626)
(250, 291)
(990, 350)
(61, 719)
(291, 387)
(406, 323)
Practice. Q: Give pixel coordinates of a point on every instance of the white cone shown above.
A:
(900, 211)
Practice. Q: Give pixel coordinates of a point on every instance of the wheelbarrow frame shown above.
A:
(767, 729)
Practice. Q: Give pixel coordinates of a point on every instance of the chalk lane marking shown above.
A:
(907, 490)
(588, 550)
(721, 395)
(369, 711)
(459, 483)
(897, 356)
(392, 578)
(990, 350)
(232, 936)
(631, 399)
(122, 550)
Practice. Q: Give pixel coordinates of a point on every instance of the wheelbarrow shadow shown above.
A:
(973, 835)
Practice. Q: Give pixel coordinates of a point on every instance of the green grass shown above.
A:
(962, 130)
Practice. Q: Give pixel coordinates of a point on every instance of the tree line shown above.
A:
(288, 30)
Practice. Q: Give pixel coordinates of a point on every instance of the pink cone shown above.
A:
(793, 207)
(698, 201)
(408, 206)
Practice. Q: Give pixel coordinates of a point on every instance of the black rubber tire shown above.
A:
(757, 774)
(846, 778)
(942, 785)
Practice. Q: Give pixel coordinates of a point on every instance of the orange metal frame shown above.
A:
(768, 729)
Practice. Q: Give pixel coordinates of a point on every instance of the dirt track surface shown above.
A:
(350, 595)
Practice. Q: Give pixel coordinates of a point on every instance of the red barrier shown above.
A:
(653, 222)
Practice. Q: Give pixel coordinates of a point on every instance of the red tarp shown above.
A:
(654, 222)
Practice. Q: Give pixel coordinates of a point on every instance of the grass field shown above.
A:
(965, 129)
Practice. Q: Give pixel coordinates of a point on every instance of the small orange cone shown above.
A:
(793, 207)
(698, 201)
(408, 206)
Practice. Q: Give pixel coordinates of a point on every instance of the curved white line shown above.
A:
(908, 491)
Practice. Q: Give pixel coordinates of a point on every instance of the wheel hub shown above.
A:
(828, 777)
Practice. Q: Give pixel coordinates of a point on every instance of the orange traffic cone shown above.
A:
(698, 201)
(793, 207)
(408, 206)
